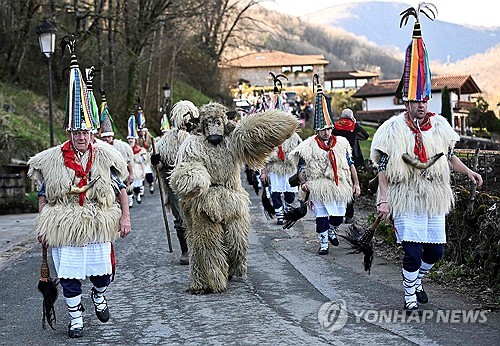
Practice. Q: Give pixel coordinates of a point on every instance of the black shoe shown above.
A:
(75, 333)
(334, 241)
(102, 315)
(422, 297)
(184, 259)
(323, 251)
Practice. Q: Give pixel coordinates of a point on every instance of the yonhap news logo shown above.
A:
(333, 316)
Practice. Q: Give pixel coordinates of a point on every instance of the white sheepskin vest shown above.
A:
(168, 145)
(139, 162)
(319, 171)
(63, 221)
(412, 190)
(124, 148)
(289, 166)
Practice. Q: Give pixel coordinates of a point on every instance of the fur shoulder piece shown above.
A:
(169, 145)
(108, 154)
(256, 136)
(41, 161)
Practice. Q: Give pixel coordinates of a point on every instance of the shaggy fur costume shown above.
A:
(287, 167)
(207, 180)
(63, 221)
(319, 171)
(411, 190)
(168, 145)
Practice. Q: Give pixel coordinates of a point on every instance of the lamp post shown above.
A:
(166, 98)
(47, 38)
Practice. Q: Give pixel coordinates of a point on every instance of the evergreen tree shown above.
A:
(446, 104)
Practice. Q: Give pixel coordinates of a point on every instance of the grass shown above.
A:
(365, 145)
(183, 91)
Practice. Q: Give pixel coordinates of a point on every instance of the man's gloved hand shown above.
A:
(155, 159)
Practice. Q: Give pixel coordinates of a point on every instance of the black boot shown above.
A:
(181, 235)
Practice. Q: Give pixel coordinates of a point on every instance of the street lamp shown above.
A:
(47, 38)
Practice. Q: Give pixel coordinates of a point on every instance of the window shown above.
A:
(307, 68)
(286, 69)
(297, 68)
(350, 83)
(337, 84)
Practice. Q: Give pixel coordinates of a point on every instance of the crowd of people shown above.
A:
(87, 184)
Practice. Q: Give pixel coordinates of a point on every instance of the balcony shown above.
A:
(463, 106)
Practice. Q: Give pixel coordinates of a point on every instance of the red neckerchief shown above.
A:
(419, 149)
(136, 149)
(281, 153)
(345, 124)
(70, 161)
(331, 154)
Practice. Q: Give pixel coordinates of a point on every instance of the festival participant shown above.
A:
(414, 153)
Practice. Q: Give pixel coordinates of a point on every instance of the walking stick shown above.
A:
(48, 288)
(162, 188)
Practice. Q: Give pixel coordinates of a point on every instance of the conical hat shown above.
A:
(322, 110)
(107, 124)
(78, 107)
(164, 124)
(89, 75)
(132, 128)
(415, 84)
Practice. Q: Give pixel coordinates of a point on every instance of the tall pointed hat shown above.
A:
(415, 84)
(108, 127)
(165, 124)
(132, 128)
(78, 108)
(89, 76)
(322, 107)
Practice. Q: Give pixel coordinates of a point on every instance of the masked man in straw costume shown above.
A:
(78, 185)
(326, 173)
(207, 179)
(184, 114)
(414, 153)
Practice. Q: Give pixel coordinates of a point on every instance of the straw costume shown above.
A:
(207, 179)
(78, 183)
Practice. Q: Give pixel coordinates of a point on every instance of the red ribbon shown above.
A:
(113, 263)
(419, 149)
(70, 161)
(136, 149)
(345, 124)
(281, 153)
(331, 154)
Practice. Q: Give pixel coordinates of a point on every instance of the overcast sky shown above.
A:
(472, 12)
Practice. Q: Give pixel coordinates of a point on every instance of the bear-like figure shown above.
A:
(215, 205)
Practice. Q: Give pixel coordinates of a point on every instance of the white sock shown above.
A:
(409, 280)
(424, 270)
(99, 298)
(75, 313)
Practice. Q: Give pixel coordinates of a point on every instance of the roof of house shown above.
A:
(356, 74)
(462, 83)
(275, 58)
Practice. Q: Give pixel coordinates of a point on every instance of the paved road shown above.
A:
(278, 303)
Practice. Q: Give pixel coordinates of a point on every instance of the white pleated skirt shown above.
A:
(334, 208)
(279, 183)
(420, 228)
(79, 262)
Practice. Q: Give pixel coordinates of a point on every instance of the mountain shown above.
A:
(379, 23)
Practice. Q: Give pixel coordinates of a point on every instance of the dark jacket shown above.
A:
(358, 134)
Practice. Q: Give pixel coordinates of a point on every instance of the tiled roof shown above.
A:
(463, 83)
(340, 75)
(275, 58)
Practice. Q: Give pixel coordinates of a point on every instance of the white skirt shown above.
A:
(334, 208)
(78, 262)
(420, 228)
(279, 183)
